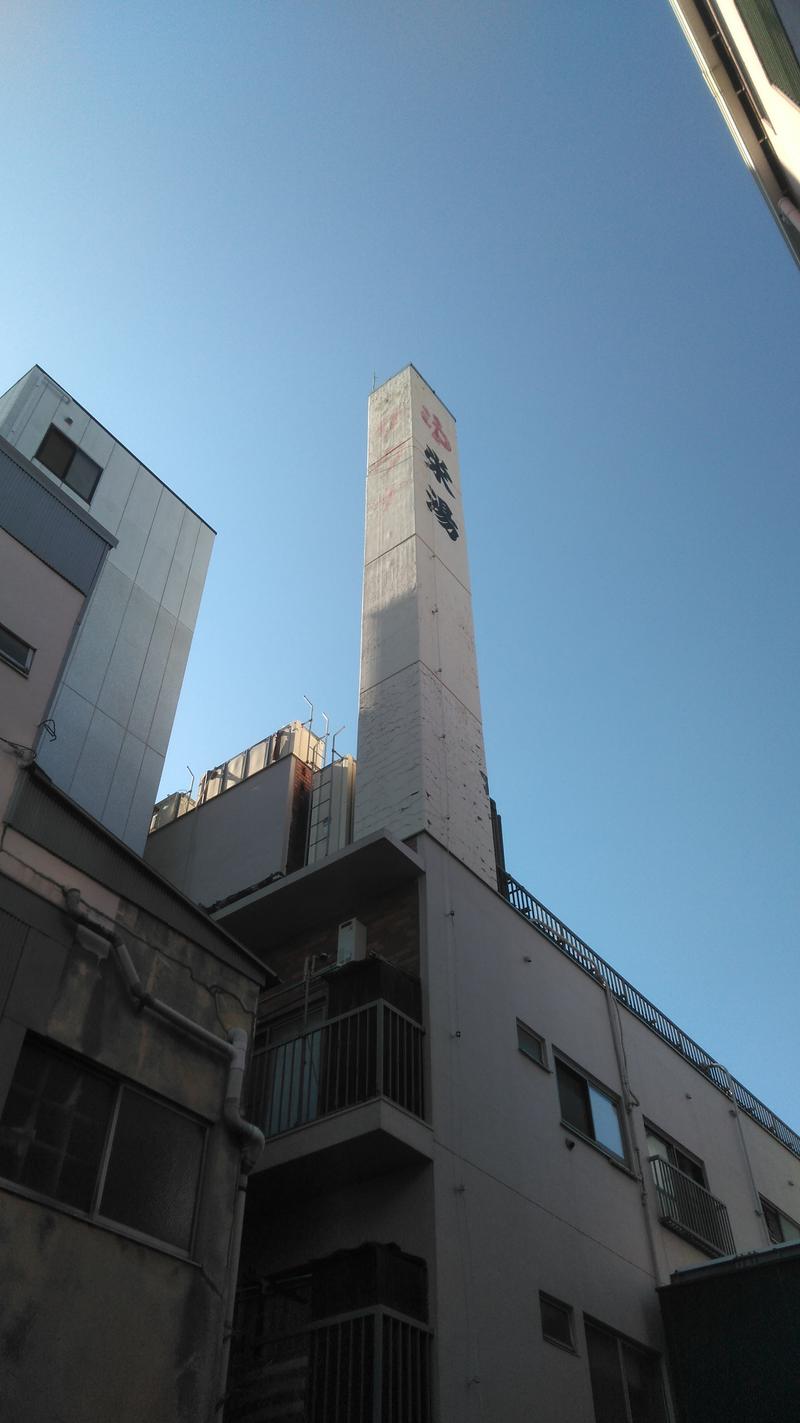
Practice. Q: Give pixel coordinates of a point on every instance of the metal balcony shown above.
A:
(373, 1051)
(690, 1210)
(366, 1367)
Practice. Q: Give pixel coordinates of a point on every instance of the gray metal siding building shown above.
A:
(115, 703)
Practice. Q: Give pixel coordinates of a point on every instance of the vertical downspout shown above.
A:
(631, 1101)
(251, 1150)
(734, 1111)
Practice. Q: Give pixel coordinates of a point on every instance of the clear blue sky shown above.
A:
(221, 220)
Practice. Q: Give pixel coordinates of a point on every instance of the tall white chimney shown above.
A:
(421, 763)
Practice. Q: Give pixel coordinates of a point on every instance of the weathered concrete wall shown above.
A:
(421, 762)
(98, 1327)
(98, 1323)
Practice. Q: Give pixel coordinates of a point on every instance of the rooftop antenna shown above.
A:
(374, 378)
(333, 742)
(310, 721)
(326, 720)
(191, 788)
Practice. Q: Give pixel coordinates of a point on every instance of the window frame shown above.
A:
(523, 1027)
(569, 1313)
(9, 660)
(613, 1098)
(94, 1216)
(768, 1208)
(623, 1341)
(65, 477)
(675, 1150)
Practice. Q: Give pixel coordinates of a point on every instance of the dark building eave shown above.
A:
(325, 893)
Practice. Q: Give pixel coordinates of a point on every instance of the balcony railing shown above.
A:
(366, 1367)
(688, 1208)
(575, 948)
(373, 1051)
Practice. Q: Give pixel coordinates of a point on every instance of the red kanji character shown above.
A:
(434, 424)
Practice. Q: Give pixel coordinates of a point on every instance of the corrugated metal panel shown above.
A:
(49, 819)
(36, 517)
(772, 45)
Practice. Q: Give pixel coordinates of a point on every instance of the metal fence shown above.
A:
(367, 1367)
(374, 1051)
(686, 1206)
(574, 947)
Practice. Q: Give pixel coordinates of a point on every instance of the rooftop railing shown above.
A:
(687, 1207)
(373, 1051)
(575, 948)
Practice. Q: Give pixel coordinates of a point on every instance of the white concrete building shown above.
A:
(115, 701)
(748, 51)
(486, 1152)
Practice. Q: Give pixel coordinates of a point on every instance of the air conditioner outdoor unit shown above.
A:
(351, 942)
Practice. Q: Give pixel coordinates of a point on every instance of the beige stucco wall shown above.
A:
(40, 607)
(518, 1209)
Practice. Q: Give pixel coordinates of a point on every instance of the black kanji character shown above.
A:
(443, 513)
(438, 469)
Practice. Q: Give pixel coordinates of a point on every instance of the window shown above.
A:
(556, 1322)
(781, 1228)
(684, 1202)
(68, 463)
(668, 1150)
(589, 1109)
(626, 1379)
(14, 651)
(531, 1044)
(100, 1146)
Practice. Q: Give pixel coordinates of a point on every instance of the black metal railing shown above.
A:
(687, 1207)
(575, 948)
(373, 1051)
(367, 1367)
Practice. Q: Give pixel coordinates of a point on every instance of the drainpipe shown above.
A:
(787, 210)
(253, 1145)
(734, 1111)
(250, 1137)
(631, 1100)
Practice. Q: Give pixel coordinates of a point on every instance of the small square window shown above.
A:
(55, 452)
(556, 1322)
(14, 651)
(69, 464)
(531, 1044)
